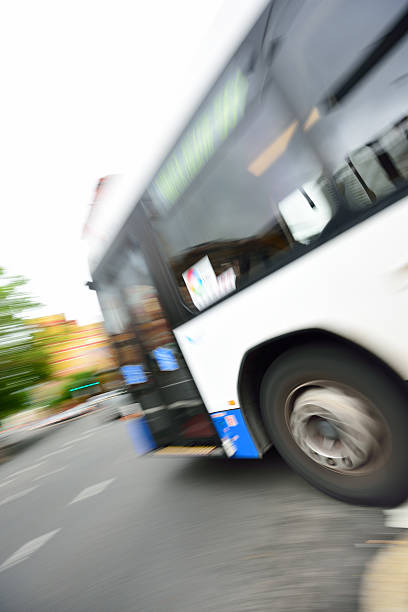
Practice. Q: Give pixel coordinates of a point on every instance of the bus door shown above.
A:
(162, 383)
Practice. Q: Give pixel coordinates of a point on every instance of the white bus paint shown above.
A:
(349, 286)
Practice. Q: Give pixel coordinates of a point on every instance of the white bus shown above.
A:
(257, 292)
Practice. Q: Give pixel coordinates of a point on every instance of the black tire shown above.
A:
(386, 485)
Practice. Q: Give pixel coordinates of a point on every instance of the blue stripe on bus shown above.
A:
(234, 434)
(140, 434)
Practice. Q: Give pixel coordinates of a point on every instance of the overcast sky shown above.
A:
(89, 89)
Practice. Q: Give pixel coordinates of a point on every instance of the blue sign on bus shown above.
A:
(133, 374)
(165, 359)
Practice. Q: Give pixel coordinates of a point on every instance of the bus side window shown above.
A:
(231, 215)
(351, 99)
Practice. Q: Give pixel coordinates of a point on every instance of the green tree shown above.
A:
(23, 360)
(76, 380)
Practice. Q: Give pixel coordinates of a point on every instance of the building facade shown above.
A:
(74, 348)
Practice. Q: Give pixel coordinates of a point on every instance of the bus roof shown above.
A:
(117, 195)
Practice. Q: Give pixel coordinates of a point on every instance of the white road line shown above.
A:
(56, 452)
(27, 550)
(93, 429)
(17, 495)
(77, 440)
(27, 469)
(50, 473)
(91, 491)
(397, 517)
(7, 482)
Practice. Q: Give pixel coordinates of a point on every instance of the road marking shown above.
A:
(27, 550)
(56, 452)
(27, 469)
(384, 584)
(387, 542)
(7, 482)
(380, 543)
(397, 517)
(91, 491)
(93, 429)
(50, 473)
(77, 440)
(17, 495)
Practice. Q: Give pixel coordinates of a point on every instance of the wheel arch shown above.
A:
(259, 358)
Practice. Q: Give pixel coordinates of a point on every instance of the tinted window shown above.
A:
(149, 323)
(140, 297)
(118, 324)
(343, 66)
(115, 316)
(238, 213)
(325, 142)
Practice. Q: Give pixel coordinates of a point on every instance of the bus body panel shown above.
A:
(338, 152)
(355, 285)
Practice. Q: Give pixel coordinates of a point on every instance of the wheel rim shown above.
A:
(337, 427)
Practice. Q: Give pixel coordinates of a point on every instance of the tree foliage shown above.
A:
(76, 380)
(23, 359)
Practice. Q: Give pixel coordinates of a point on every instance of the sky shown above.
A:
(91, 88)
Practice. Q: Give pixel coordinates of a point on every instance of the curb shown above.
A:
(384, 586)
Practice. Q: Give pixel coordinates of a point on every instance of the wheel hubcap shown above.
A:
(335, 428)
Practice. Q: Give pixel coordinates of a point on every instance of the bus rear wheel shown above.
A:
(340, 421)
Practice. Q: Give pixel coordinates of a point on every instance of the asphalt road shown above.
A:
(87, 525)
